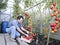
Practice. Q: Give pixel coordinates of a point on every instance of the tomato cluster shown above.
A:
(55, 26)
(29, 21)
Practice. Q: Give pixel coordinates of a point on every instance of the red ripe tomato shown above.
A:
(54, 9)
(57, 19)
(55, 30)
(52, 28)
(54, 4)
(56, 22)
(34, 34)
(52, 15)
(59, 26)
(52, 25)
(55, 14)
(51, 7)
(58, 12)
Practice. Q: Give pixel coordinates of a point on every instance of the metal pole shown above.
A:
(33, 6)
(48, 36)
(48, 32)
(49, 28)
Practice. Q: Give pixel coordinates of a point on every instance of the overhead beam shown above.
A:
(33, 6)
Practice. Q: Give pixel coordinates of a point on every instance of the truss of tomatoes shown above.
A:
(29, 22)
(55, 26)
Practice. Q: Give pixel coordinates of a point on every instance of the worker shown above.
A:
(15, 28)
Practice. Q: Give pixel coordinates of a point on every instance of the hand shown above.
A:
(28, 32)
(26, 35)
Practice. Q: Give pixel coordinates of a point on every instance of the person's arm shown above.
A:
(21, 31)
(18, 29)
(24, 30)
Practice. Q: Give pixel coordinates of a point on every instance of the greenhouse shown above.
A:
(29, 22)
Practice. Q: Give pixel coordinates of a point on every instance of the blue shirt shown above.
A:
(15, 23)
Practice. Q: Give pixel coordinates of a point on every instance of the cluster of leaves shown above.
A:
(16, 9)
(28, 3)
(3, 4)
